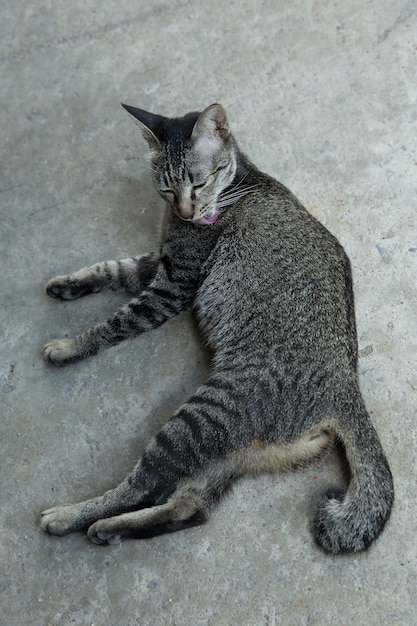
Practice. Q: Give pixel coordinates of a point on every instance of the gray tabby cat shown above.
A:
(272, 290)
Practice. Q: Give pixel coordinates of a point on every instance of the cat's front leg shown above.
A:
(126, 322)
(64, 351)
(132, 275)
(151, 309)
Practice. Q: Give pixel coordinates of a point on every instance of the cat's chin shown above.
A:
(210, 219)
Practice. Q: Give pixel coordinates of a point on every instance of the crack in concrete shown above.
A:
(405, 15)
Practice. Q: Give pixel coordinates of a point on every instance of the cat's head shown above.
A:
(193, 160)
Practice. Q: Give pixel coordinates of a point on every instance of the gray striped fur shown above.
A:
(272, 290)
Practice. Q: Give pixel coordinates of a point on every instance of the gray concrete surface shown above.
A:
(322, 95)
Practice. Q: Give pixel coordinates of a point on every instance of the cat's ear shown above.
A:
(211, 129)
(151, 124)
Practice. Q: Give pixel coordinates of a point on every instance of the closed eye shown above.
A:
(210, 177)
(168, 192)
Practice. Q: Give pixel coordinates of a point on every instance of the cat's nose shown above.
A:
(185, 210)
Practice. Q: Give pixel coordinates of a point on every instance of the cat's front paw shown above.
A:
(61, 520)
(61, 352)
(70, 287)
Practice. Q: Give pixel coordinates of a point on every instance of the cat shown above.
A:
(272, 291)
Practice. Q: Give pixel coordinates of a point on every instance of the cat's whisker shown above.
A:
(241, 180)
(235, 190)
(236, 194)
(232, 197)
(152, 168)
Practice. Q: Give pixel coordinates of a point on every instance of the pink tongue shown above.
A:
(209, 220)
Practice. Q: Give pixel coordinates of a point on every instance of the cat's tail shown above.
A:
(349, 522)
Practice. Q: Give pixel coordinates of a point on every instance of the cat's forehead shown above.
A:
(182, 154)
(198, 165)
(177, 131)
(186, 156)
(184, 163)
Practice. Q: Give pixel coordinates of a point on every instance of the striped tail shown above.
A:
(350, 522)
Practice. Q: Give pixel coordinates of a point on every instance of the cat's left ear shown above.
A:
(211, 128)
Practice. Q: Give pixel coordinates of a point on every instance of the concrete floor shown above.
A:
(322, 95)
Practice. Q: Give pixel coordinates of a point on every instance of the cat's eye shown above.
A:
(211, 176)
(168, 192)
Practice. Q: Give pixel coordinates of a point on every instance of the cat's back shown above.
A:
(269, 240)
(276, 269)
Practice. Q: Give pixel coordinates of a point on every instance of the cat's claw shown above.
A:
(60, 351)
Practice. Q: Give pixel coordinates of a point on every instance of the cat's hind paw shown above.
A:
(60, 520)
(60, 352)
(106, 532)
(102, 538)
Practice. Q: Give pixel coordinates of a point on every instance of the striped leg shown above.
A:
(188, 506)
(195, 497)
(164, 298)
(178, 476)
(69, 518)
(131, 275)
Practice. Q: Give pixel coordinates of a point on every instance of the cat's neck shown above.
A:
(243, 165)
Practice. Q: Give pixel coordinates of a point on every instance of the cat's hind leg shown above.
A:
(261, 457)
(132, 275)
(186, 449)
(188, 506)
(196, 496)
(108, 522)
(63, 519)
